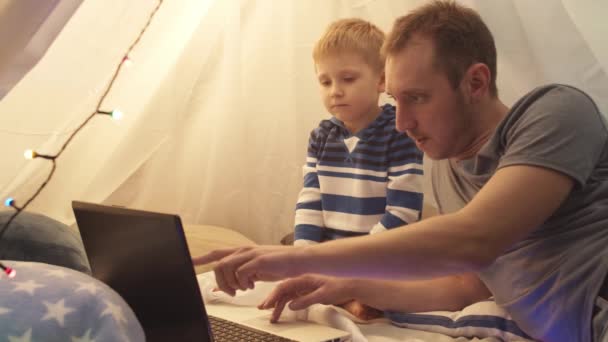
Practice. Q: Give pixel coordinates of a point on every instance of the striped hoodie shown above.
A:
(358, 184)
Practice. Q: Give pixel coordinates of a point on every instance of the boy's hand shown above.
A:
(362, 311)
(239, 268)
(305, 291)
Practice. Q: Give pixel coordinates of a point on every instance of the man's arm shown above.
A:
(449, 293)
(513, 203)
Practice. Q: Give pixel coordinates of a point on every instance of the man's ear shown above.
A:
(382, 82)
(477, 81)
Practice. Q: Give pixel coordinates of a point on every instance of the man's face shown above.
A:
(349, 88)
(429, 109)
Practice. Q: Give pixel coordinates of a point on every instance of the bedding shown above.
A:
(483, 321)
(484, 318)
(45, 302)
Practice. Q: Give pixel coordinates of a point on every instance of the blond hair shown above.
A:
(460, 36)
(355, 36)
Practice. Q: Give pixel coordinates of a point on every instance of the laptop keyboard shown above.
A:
(227, 331)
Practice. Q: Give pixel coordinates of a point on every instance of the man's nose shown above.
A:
(404, 120)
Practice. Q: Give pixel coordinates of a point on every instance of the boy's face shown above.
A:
(350, 89)
(429, 109)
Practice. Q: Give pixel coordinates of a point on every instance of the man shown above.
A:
(523, 193)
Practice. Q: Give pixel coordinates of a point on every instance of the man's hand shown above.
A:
(305, 291)
(239, 268)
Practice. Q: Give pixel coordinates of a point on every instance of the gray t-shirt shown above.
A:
(548, 282)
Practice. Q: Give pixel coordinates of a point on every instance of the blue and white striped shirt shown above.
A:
(358, 184)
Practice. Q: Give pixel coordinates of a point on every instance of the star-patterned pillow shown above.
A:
(51, 303)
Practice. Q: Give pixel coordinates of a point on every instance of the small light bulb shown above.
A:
(9, 202)
(127, 61)
(117, 114)
(30, 154)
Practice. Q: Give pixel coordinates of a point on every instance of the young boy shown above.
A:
(361, 175)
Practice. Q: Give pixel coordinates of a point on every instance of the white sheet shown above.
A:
(380, 330)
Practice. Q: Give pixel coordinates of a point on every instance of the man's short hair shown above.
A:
(460, 36)
(354, 36)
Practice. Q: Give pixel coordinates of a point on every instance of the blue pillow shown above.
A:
(35, 237)
(50, 303)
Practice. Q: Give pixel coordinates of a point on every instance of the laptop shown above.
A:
(144, 257)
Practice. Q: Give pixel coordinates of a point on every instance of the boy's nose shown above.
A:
(336, 91)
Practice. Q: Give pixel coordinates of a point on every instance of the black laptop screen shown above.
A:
(144, 257)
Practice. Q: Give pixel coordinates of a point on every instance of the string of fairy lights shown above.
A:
(115, 114)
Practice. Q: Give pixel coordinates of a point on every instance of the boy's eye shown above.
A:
(325, 83)
(349, 79)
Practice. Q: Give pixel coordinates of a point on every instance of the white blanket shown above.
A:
(382, 329)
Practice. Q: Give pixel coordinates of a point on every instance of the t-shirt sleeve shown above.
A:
(559, 128)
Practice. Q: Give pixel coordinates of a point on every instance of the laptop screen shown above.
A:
(144, 257)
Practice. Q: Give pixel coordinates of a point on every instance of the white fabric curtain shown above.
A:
(27, 29)
(222, 96)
